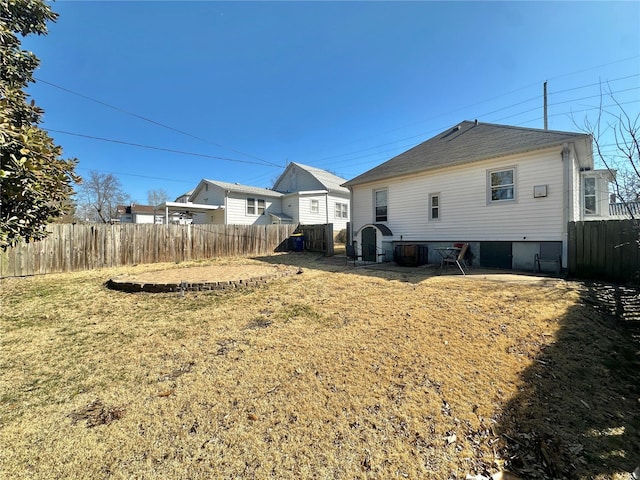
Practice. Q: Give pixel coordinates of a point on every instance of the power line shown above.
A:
(402, 147)
(137, 175)
(501, 96)
(584, 110)
(480, 116)
(181, 152)
(146, 119)
(595, 84)
(569, 101)
(356, 151)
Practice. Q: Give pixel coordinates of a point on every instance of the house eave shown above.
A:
(382, 177)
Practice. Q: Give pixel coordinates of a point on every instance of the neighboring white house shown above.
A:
(313, 196)
(507, 191)
(139, 214)
(237, 204)
(301, 195)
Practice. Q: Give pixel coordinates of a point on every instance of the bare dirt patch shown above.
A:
(209, 273)
(200, 277)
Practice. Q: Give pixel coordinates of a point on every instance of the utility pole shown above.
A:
(546, 125)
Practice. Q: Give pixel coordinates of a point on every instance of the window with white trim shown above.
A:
(590, 200)
(434, 206)
(341, 210)
(315, 206)
(501, 185)
(380, 204)
(255, 206)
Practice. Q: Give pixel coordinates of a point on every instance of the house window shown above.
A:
(255, 206)
(590, 204)
(341, 210)
(434, 206)
(315, 206)
(502, 185)
(381, 205)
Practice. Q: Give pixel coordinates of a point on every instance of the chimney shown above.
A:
(476, 122)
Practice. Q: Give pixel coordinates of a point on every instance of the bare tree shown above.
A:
(99, 196)
(624, 128)
(157, 196)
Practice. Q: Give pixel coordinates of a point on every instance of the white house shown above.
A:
(139, 214)
(301, 195)
(237, 204)
(313, 196)
(507, 191)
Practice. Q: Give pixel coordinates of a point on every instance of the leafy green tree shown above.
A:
(36, 183)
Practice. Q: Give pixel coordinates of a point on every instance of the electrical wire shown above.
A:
(503, 95)
(146, 119)
(377, 153)
(136, 175)
(422, 134)
(181, 152)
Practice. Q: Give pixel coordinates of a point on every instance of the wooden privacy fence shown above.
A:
(82, 247)
(605, 250)
(317, 238)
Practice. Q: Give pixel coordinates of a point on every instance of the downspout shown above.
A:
(326, 207)
(350, 229)
(226, 196)
(567, 201)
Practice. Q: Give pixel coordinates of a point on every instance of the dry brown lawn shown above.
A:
(337, 372)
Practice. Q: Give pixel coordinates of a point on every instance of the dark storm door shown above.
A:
(369, 244)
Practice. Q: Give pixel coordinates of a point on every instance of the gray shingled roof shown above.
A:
(465, 143)
(236, 187)
(328, 180)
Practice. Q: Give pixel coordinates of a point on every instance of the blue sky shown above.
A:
(338, 85)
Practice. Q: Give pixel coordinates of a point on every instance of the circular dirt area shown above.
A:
(210, 277)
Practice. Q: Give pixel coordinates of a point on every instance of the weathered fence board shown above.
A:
(83, 247)
(605, 250)
(318, 238)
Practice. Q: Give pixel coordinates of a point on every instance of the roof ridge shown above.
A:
(518, 127)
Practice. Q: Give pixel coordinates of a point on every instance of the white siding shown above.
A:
(145, 217)
(211, 195)
(305, 215)
(338, 223)
(237, 209)
(290, 206)
(297, 180)
(464, 212)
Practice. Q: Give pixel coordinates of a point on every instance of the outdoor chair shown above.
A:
(459, 260)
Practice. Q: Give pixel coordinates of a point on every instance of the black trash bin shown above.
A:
(297, 241)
